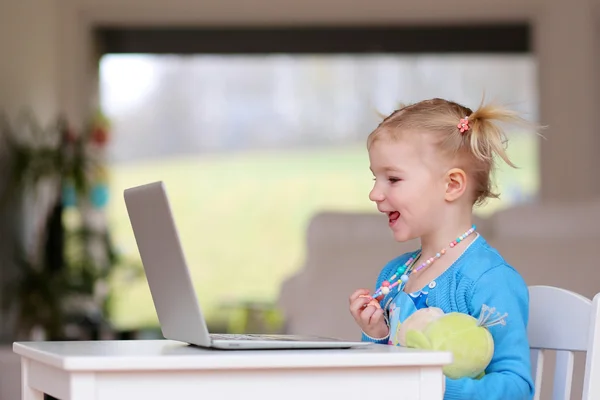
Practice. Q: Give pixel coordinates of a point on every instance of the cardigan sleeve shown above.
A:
(508, 376)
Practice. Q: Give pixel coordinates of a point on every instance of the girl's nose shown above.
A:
(376, 195)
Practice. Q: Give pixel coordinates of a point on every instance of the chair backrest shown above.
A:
(565, 322)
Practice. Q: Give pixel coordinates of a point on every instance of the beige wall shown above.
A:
(29, 63)
(568, 49)
(47, 56)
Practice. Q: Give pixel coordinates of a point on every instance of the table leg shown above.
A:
(432, 383)
(83, 386)
(27, 392)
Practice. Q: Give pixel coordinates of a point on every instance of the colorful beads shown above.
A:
(408, 268)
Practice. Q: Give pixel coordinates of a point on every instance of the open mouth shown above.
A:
(393, 217)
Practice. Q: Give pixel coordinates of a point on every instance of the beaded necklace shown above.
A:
(404, 271)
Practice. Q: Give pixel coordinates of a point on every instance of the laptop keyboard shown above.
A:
(281, 338)
(234, 336)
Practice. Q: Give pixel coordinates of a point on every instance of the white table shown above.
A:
(162, 369)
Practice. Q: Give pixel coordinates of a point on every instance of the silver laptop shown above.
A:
(171, 286)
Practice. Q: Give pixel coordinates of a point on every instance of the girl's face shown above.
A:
(409, 185)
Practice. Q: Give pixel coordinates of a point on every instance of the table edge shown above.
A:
(233, 361)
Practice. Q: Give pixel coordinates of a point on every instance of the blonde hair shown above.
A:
(476, 147)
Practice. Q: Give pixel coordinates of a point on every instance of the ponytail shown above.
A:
(485, 137)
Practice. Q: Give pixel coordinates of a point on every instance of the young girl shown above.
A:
(432, 163)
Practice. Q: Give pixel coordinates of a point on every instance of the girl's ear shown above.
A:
(456, 184)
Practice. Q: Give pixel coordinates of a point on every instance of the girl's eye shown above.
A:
(394, 180)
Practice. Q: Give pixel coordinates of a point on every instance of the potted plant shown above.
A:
(63, 261)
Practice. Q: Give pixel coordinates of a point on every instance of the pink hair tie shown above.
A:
(463, 125)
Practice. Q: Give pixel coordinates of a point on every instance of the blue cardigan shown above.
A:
(481, 276)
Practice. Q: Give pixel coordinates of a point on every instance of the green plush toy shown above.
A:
(466, 337)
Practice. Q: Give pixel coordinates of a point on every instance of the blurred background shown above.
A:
(255, 115)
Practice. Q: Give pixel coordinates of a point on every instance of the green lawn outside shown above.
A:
(245, 215)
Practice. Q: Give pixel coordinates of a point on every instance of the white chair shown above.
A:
(565, 322)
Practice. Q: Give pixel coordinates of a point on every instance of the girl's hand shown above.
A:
(368, 314)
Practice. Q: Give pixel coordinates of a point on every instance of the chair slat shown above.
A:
(537, 364)
(563, 375)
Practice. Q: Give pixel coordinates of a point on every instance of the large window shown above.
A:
(252, 146)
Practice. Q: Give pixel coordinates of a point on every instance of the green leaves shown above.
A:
(71, 259)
